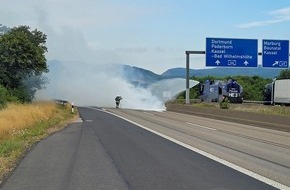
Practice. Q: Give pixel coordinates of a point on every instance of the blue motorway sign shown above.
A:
(227, 52)
(275, 53)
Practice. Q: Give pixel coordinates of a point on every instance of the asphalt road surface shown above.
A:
(108, 152)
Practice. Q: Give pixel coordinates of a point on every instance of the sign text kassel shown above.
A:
(275, 53)
(229, 52)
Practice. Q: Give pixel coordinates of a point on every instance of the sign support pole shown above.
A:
(187, 79)
(187, 72)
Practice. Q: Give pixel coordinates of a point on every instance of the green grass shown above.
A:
(6, 147)
(26, 137)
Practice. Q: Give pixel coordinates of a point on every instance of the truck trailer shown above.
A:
(277, 92)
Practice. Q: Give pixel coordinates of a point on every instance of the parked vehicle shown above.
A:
(277, 92)
(216, 91)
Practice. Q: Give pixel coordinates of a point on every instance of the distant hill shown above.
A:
(134, 75)
(139, 76)
(259, 71)
(143, 78)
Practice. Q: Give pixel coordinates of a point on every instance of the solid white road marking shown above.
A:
(210, 156)
(200, 126)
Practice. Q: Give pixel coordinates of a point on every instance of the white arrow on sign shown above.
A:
(275, 63)
(246, 63)
(217, 62)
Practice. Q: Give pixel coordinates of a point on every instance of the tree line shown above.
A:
(22, 63)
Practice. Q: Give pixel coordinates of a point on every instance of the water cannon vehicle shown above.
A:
(217, 91)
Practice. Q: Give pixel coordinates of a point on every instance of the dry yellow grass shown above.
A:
(259, 108)
(23, 125)
(256, 108)
(17, 117)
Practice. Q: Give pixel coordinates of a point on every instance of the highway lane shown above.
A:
(73, 158)
(107, 152)
(263, 151)
(149, 162)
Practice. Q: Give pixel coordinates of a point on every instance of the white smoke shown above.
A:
(98, 85)
(86, 75)
(168, 89)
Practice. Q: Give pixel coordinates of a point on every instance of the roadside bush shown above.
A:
(3, 96)
(225, 103)
(6, 97)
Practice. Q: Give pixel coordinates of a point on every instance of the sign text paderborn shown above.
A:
(227, 52)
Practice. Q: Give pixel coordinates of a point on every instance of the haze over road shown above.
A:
(108, 152)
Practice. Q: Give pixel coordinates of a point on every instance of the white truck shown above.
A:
(277, 92)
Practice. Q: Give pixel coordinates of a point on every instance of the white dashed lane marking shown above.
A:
(200, 126)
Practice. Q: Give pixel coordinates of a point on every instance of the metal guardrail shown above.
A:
(244, 101)
(255, 102)
(61, 102)
(184, 101)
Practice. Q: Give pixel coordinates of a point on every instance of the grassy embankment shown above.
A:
(256, 108)
(21, 126)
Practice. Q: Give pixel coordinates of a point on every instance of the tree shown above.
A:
(32, 84)
(22, 55)
(284, 74)
(253, 86)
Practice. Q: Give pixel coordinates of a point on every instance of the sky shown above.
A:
(151, 34)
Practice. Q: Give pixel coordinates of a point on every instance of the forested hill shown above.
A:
(221, 72)
(139, 74)
(143, 77)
